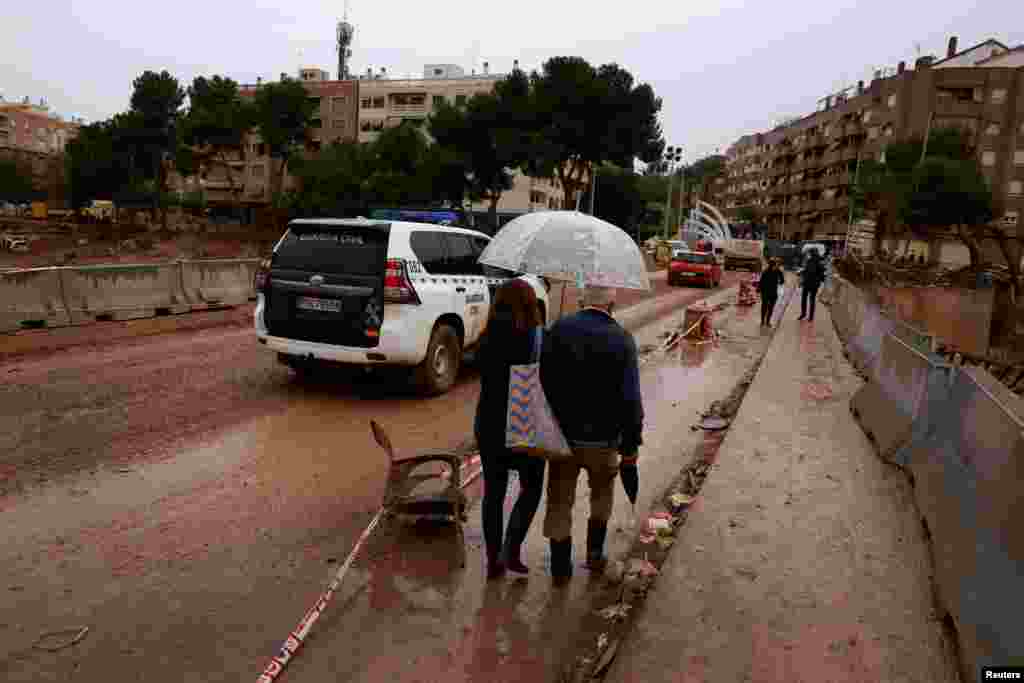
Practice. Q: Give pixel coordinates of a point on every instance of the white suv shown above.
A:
(375, 292)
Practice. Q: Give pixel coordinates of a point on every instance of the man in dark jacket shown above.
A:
(590, 373)
(771, 279)
(812, 277)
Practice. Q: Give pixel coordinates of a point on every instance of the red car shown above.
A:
(695, 267)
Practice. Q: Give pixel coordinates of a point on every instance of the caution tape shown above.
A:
(298, 636)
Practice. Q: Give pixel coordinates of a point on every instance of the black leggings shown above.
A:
(767, 306)
(496, 464)
(809, 294)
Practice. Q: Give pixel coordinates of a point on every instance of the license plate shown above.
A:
(309, 303)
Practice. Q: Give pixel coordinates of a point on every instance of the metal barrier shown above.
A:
(121, 292)
(968, 465)
(911, 335)
(31, 298)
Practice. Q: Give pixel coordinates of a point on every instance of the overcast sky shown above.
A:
(723, 68)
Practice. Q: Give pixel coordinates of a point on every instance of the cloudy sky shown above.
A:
(722, 67)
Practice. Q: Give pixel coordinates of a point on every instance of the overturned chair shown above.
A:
(427, 486)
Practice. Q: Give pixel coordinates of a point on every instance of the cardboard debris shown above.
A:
(642, 567)
(606, 658)
(680, 500)
(615, 612)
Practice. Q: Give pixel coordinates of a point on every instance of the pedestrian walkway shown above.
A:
(803, 559)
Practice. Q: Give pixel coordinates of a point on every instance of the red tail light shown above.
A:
(398, 287)
(262, 276)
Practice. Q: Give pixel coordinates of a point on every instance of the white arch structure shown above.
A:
(722, 222)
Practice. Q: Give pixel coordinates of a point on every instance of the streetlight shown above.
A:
(673, 155)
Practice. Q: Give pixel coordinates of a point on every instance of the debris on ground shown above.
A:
(616, 612)
(72, 636)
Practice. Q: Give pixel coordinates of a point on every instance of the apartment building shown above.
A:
(245, 177)
(34, 128)
(388, 102)
(799, 175)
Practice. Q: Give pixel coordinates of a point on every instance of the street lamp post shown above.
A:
(673, 155)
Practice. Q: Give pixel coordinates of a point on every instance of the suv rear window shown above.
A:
(429, 249)
(340, 249)
(694, 258)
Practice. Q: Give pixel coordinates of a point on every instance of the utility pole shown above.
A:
(673, 155)
(593, 189)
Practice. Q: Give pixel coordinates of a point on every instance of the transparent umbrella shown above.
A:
(569, 245)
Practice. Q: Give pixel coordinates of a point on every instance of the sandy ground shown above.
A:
(188, 506)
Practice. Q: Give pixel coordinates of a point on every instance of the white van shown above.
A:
(377, 292)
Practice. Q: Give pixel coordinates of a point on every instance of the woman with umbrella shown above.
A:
(589, 368)
(515, 318)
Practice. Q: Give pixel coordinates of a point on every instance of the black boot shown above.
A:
(597, 531)
(561, 561)
(513, 559)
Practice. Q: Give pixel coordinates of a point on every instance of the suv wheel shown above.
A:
(438, 371)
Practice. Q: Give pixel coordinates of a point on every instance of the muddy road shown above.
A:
(185, 498)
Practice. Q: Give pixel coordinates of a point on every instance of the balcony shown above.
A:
(945, 106)
(405, 109)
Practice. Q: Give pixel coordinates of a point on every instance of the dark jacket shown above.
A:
(771, 279)
(502, 347)
(814, 273)
(591, 377)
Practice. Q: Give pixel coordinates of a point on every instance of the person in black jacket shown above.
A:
(771, 279)
(811, 277)
(590, 374)
(515, 319)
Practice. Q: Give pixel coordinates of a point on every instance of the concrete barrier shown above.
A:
(121, 292)
(968, 467)
(222, 282)
(31, 298)
(866, 343)
(896, 404)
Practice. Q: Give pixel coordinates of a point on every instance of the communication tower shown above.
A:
(345, 33)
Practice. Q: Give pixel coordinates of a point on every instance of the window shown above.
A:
(1018, 157)
(998, 95)
(536, 197)
(461, 256)
(1011, 217)
(988, 158)
(338, 103)
(992, 129)
(366, 103)
(1015, 188)
(429, 249)
(892, 101)
(460, 100)
(889, 130)
(378, 102)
